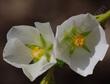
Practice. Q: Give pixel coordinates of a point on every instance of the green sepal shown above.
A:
(60, 63)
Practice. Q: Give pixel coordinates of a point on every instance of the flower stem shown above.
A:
(49, 78)
(102, 18)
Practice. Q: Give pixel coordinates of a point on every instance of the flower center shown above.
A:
(37, 52)
(79, 40)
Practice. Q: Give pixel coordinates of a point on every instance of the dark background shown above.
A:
(18, 12)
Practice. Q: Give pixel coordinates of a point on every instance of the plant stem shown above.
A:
(49, 78)
(102, 18)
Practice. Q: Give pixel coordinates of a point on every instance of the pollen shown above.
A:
(78, 40)
(37, 52)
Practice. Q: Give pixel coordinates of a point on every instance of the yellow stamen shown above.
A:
(78, 40)
(37, 52)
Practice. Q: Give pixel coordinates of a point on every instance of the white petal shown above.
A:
(103, 37)
(27, 34)
(61, 52)
(81, 21)
(16, 53)
(83, 64)
(32, 71)
(68, 24)
(81, 61)
(102, 42)
(46, 30)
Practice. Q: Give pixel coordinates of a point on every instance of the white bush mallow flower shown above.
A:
(26, 43)
(81, 43)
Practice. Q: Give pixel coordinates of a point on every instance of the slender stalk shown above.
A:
(49, 78)
(102, 18)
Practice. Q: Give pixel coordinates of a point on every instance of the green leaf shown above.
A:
(43, 42)
(86, 33)
(86, 48)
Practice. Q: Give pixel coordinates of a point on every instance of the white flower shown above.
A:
(26, 43)
(81, 43)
